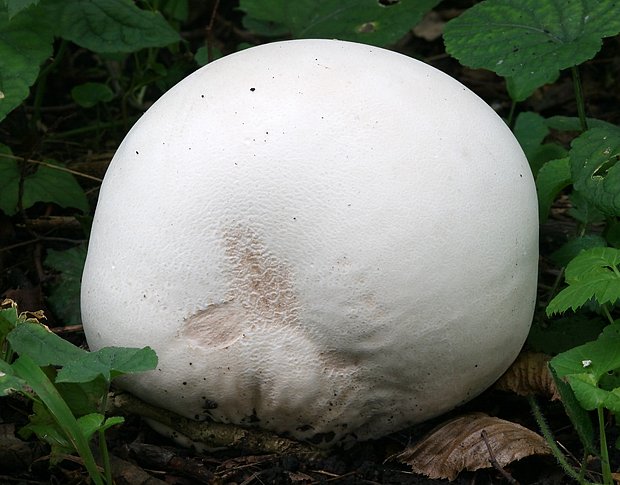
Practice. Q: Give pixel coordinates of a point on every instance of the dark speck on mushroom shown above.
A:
(252, 89)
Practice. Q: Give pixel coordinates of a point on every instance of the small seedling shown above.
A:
(67, 385)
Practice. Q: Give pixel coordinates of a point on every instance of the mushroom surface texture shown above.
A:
(321, 238)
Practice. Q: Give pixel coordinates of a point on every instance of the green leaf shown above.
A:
(552, 177)
(596, 358)
(531, 40)
(9, 319)
(47, 184)
(564, 333)
(25, 43)
(108, 362)
(16, 6)
(577, 414)
(595, 169)
(9, 382)
(366, 21)
(582, 210)
(592, 274)
(64, 294)
(28, 370)
(110, 25)
(572, 248)
(84, 397)
(572, 123)
(530, 130)
(585, 366)
(590, 396)
(42, 346)
(88, 95)
(520, 88)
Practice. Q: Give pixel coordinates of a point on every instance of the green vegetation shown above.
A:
(68, 385)
(125, 54)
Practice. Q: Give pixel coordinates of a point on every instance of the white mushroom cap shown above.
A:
(327, 239)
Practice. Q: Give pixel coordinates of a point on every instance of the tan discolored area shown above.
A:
(218, 326)
(261, 294)
(260, 282)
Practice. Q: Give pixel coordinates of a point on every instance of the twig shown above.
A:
(493, 460)
(213, 435)
(50, 165)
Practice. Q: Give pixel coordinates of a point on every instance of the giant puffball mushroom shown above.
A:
(320, 238)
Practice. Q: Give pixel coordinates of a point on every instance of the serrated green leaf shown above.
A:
(595, 169)
(88, 95)
(109, 362)
(25, 43)
(64, 294)
(531, 40)
(592, 274)
(366, 21)
(47, 184)
(108, 26)
(42, 346)
(552, 177)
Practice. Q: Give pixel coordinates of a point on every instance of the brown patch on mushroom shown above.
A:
(261, 293)
(261, 283)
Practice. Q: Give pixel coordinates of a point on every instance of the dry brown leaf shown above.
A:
(528, 375)
(431, 26)
(458, 445)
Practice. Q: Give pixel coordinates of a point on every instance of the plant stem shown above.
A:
(607, 478)
(42, 83)
(605, 309)
(548, 435)
(581, 105)
(103, 445)
(511, 114)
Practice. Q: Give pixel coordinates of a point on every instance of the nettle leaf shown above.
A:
(367, 21)
(25, 43)
(64, 295)
(591, 396)
(42, 346)
(110, 362)
(595, 169)
(531, 129)
(552, 177)
(531, 40)
(592, 274)
(47, 184)
(109, 26)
